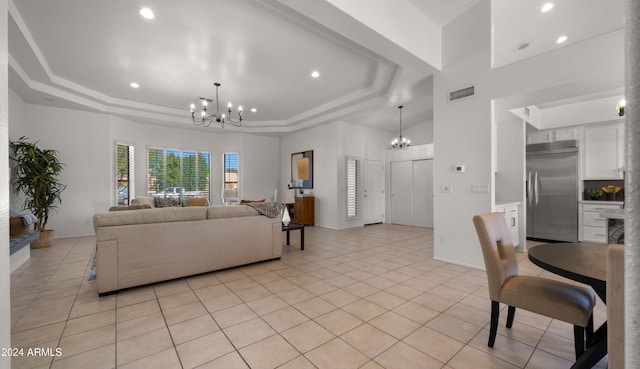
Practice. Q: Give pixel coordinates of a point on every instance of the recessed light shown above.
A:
(134, 85)
(523, 45)
(546, 7)
(561, 39)
(315, 74)
(147, 13)
(253, 110)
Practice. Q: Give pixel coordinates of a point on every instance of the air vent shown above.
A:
(462, 93)
(527, 112)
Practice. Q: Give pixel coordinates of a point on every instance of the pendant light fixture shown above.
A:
(205, 118)
(400, 142)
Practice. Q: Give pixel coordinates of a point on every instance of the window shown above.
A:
(177, 174)
(124, 174)
(230, 171)
(353, 187)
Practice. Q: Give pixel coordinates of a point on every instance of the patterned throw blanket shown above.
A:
(269, 209)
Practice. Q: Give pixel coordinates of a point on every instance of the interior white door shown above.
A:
(373, 192)
(423, 193)
(401, 193)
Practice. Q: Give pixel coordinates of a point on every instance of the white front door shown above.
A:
(373, 192)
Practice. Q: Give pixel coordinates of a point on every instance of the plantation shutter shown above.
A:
(353, 188)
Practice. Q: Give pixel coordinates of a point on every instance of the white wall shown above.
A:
(330, 144)
(258, 155)
(510, 171)
(81, 139)
(420, 134)
(86, 142)
(323, 141)
(462, 133)
(5, 295)
(370, 145)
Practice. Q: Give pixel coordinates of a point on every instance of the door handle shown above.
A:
(529, 194)
(536, 188)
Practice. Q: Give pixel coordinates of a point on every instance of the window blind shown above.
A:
(353, 187)
(124, 174)
(230, 171)
(179, 174)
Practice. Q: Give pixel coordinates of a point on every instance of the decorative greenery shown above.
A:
(36, 174)
(594, 193)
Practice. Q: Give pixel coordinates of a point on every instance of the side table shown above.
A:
(293, 227)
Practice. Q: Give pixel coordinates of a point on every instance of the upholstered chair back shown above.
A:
(615, 306)
(497, 249)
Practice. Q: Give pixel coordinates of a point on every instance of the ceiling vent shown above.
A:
(462, 93)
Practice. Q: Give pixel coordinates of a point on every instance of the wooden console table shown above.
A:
(304, 210)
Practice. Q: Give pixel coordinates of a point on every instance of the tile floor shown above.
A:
(368, 298)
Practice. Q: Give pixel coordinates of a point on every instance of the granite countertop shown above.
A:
(613, 214)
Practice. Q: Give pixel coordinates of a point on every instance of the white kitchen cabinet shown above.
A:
(594, 226)
(510, 213)
(604, 152)
(551, 135)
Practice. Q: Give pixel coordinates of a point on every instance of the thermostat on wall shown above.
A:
(459, 168)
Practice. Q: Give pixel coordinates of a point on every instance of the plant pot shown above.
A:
(44, 240)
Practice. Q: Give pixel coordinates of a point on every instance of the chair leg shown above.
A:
(578, 339)
(589, 331)
(493, 329)
(511, 312)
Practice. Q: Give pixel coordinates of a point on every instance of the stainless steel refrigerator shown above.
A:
(552, 191)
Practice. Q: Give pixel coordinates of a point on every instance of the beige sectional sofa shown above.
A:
(138, 247)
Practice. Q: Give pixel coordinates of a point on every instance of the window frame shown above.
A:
(130, 181)
(197, 154)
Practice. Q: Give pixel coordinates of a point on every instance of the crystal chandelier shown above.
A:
(400, 142)
(205, 118)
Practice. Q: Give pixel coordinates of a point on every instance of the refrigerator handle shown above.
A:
(536, 187)
(529, 194)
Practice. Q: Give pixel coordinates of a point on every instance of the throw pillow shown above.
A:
(248, 201)
(197, 201)
(163, 202)
(142, 200)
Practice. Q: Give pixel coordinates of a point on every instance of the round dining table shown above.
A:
(582, 262)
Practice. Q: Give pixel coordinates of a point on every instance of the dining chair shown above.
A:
(558, 300)
(615, 306)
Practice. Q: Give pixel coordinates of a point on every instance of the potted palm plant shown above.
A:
(37, 175)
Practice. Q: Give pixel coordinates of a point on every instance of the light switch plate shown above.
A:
(480, 189)
(446, 188)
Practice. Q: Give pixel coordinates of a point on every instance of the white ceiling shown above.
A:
(83, 55)
(517, 21)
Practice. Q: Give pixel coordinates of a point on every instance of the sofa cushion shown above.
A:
(142, 200)
(230, 211)
(129, 207)
(147, 216)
